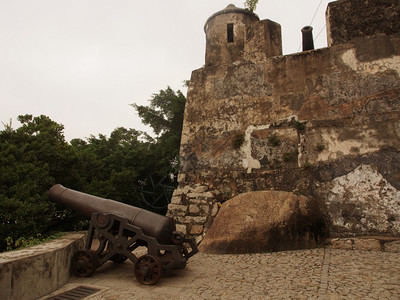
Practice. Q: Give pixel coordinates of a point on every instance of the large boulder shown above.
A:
(265, 221)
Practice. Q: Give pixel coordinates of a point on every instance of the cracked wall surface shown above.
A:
(363, 201)
(297, 123)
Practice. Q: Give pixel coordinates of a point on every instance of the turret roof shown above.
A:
(231, 9)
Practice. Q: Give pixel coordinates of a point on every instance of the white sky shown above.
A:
(82, 62)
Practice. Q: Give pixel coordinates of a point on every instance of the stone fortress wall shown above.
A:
(323, 123)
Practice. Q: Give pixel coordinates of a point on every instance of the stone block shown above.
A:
(392, 246)
(367, 244)
(181, 178)
(177, 192)
(192, 195)
(198, 201)
(194, 209)
(179, 219)
(214, 210)
(216, 193)
(176, 200)
(196, 229)
(205, 209)
(177, 209)
(200, 189)
(186, 189)
(340, 243)
(181, 228)
(205, 196)
(195, 220)
(198, 239)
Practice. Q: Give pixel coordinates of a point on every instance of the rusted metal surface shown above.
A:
(77, 293)
(121, 229)
(152, 224)
(308, 41)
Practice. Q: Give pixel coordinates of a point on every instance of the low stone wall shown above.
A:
(366, 243)
(39, 270)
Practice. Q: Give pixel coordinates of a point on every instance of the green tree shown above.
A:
(35, 156)
(165, 116)
(112, 167)
(251, 5)
(32, 158)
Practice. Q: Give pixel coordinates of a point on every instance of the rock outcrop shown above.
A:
(265, 221)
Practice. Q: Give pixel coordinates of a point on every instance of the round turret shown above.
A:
(226, 33)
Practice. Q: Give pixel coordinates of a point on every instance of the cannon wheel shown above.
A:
(84, 263)
(148, 269)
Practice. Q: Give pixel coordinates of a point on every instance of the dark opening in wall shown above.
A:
(230, 32)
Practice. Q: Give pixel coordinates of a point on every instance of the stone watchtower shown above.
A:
(235, 34)
(320, 122)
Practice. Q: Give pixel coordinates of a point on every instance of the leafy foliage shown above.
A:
(36, 156)
(31, 157)
(22, 242)
(251, 5)
(300, 126)
(111, 168)
(238, 140)
(165, 116)
(273, 141)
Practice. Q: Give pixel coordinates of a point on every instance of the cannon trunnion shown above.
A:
(121, 229)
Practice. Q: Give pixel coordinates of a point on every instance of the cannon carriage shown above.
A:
(121, 229)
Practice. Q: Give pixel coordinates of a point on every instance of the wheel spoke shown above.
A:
(148, 270)
(84, 263)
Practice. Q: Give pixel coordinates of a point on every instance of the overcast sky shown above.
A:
(82, 62)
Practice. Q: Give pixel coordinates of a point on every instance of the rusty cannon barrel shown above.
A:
(308, 41)
(160, 227)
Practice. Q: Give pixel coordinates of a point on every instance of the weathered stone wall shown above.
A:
(249, 38)
(36, 271)
(347, 20)
(194, 208)
(322, 123)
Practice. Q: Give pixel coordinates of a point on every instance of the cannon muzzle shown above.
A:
(160, 227)
(308, 41)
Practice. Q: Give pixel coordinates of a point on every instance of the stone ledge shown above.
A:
(366, 243)
(39, 270)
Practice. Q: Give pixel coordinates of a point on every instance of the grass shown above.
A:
(23, 242)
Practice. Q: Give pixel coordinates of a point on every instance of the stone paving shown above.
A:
(304, 274)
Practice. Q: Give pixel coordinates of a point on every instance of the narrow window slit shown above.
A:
(230, 32)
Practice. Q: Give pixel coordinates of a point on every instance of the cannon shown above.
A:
(122, 230)
(308, 40)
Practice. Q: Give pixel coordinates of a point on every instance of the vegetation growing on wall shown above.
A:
(320, 147)
(300, 126)
(251, 5)
(238, 141)
(273, 140)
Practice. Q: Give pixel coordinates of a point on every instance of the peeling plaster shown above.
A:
(249, 162)
(365, 143)
(373, 67)
(372, 203)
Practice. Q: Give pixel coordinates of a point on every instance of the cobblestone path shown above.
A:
(304, 274)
